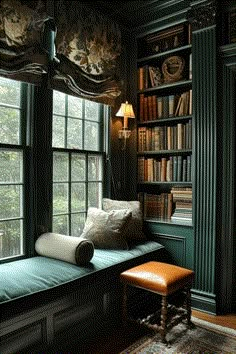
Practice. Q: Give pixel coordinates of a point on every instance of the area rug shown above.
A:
(203, 338)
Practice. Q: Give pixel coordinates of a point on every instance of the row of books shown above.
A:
(156, 205)
(156, 107)
(182, 199)
(174, 168)
(152, 76)
(175, 206)
(175, 137)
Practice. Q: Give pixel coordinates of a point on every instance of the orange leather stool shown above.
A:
(163, 279)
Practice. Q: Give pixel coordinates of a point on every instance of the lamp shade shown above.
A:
(126, 110)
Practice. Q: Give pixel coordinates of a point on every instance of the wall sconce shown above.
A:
(126, 111)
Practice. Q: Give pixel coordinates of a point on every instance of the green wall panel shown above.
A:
(178, 241)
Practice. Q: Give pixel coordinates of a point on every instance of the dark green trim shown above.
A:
(203, 302)
(205, 157)
(226, 279)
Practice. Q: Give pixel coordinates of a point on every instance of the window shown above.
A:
(78, 154)
(12, 152)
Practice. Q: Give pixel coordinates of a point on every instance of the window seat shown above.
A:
(36, 274)
(42, 299)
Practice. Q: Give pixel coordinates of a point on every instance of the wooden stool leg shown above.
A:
(163, 328)
(188, 306)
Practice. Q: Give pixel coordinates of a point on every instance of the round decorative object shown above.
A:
(172, 68)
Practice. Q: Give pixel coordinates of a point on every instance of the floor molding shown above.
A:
(217, 328)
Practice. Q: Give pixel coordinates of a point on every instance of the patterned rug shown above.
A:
(204, 338)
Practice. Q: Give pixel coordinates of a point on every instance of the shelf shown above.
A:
(168, 183)
(228, 49)
(179, 85)
(169, 222)
(165, 152)
(185, 48)
(168, 120)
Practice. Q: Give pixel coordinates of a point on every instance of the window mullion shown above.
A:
(83, 123)
(69, 192)
(86, 181)
(23, 114)
(66, 120)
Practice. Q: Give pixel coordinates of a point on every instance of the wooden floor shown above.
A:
(226, 320)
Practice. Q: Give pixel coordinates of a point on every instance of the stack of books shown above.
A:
(182, 199)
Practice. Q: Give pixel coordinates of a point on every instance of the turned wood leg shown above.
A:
(163, 328)
(188, 306)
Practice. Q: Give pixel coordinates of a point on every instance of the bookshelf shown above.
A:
(164, 133)
(207, 244)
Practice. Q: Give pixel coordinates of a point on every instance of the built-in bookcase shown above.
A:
(164, 134)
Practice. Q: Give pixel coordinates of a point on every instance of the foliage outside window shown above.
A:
(12, 147)
(77, 161)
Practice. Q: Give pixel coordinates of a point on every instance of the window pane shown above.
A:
(94, 194)
(74, 136)
(59, 103)
(58, 136)
(11, 238)
(61, 224)
(78, 196)
(11, 201)
(92, 111)
(75, 106)
(11, 163)
(78, 167)
(91, 139)
(9, 125)
(60, 167)
(77, 224)
(10, 92)
(94, 168)
(60, 198)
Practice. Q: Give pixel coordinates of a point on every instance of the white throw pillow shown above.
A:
(134, 230)
(71, 249)
(105, 229)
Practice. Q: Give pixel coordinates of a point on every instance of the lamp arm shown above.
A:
(125, 126)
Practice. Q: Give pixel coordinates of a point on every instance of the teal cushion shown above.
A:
(36, 274)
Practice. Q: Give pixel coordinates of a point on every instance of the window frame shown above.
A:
(24, 148)
(103, 113)
(36, 139)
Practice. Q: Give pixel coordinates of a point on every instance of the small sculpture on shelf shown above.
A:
(172, 69)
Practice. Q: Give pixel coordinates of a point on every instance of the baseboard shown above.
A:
(203, 302)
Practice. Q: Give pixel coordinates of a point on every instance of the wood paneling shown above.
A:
(205, 162)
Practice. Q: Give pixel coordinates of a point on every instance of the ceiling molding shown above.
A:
(137, 13)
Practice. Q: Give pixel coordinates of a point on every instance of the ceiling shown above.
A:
(130, 14)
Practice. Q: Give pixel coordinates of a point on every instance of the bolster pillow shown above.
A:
(70, 249)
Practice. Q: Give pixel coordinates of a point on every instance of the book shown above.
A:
(177, 111)
(165, 106)
(179, 168)
(155, 76)
(180, 136)
(171, 105)
(159, 107)
(190, 67)
(141, 107)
